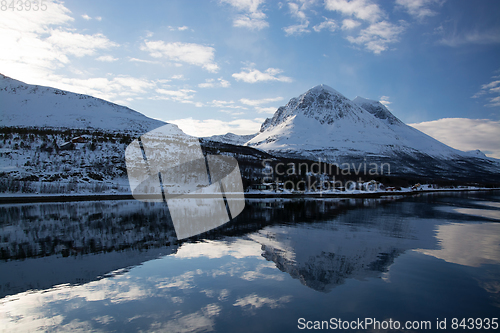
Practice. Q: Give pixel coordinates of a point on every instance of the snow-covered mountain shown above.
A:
(377, 109)
(55, 141)
(231, 138)
(324, 124)
(25, 105)
(322, 118)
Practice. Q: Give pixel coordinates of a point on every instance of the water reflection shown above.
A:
(78, 242)
(319, 242)
(107, 266)
(81, 228)
(468, 244)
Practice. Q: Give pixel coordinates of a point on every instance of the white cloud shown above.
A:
(488, 89)
(378, 35)
(143, 61)
(253, 21)
(223, 83)
(328, 24)
(349, 24)
(385, 101)
(297, 11)
(465, 134)
(106, 58)
(479, 94)
(225, 104)
(250, 75)
(35, 21)
(270, 110)
(88, 18)
(495, 101)
(182, 28)
(472, 37)
(233, 113)
(418, 8)
(116, 89)
(180, 95)
(250, 16)
(362, 9)
(297, 29)
(209, 127)
(245, 5)
(197, 104)
(211, 83)
(194, 54)
(36, 43)
(491, 85)
(255, 102)
(77, 44)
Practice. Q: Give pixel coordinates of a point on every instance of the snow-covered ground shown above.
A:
(54, 141)
(35, 163)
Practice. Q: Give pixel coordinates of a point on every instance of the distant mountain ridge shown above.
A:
(25, 105)
(231, 138)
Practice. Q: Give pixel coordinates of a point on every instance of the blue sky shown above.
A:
(219, 66)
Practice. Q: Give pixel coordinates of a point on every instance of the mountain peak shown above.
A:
(323, 87)
(362, 100)
(322, 103)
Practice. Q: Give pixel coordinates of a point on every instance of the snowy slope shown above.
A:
(377, 109)
(25, 105)
(231, 138)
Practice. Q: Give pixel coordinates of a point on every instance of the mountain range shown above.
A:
(319, 125)
(231, 138)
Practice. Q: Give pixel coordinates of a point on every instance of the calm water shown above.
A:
(117, 266)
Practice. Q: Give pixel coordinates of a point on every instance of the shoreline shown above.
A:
(105, 197)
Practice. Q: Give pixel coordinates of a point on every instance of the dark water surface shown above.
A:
(117, 266)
